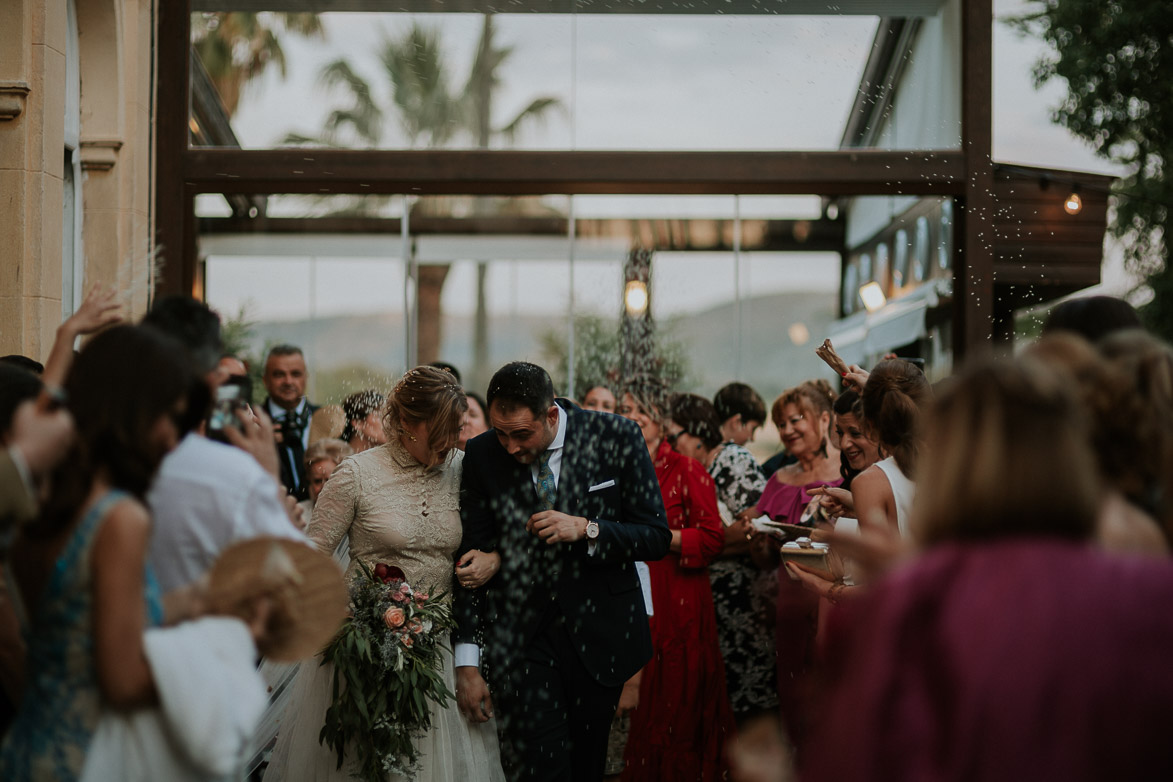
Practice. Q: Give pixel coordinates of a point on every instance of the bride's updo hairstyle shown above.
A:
(894, 400)
(1010, 458)
(427, 395)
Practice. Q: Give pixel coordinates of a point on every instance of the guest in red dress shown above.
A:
(679, 728)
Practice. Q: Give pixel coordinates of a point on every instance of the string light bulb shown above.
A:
(1074, 203)
(635, 298)
(873, 296)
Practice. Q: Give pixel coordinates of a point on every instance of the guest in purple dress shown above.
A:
(804, 418)
(1012, 649)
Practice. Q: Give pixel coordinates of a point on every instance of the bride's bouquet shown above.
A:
(387, 667)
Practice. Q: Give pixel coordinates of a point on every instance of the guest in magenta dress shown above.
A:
(804, 418)
(679, 728)
(1011, 649)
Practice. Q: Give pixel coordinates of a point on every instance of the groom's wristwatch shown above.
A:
(592, 529)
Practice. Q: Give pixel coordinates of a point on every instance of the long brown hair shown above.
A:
(1010, 458)
(119, 386)
(651, 393)
(427, 395)
(1143, 366)
(894, 399)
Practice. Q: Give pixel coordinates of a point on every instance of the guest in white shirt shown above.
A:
(208, 495)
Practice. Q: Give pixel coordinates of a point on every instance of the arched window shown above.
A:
(880, 273)
(900, 265)
(945, 236)
(920, 257)
(850, 296)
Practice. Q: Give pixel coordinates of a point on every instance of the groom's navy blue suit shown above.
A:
(563, 626)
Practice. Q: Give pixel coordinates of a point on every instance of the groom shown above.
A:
(569, 499)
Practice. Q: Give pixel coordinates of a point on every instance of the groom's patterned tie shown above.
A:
(547, 491)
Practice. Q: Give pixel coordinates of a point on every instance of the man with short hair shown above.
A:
(569, 498)
(285, 378)
(209, 495)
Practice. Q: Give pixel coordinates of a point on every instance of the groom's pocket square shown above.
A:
(603, 485)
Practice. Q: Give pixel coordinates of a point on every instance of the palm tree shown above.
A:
(429, 111)
(236, 48)
(431, 114)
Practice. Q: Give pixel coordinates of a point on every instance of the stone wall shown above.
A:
(114, 50)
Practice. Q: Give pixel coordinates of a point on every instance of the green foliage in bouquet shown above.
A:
(387, 668)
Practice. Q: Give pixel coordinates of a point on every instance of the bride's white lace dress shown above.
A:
(394, 511)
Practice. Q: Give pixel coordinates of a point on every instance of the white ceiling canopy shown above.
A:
(437, 248)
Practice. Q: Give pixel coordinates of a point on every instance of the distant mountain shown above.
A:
(770, 360)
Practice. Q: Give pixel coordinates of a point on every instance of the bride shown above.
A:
(399, 504)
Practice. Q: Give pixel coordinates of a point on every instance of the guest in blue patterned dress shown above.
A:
(78, 573)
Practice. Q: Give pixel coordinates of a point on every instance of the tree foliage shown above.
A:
(1116, 58)
(236, 48)
(597, 356)
(421, 94)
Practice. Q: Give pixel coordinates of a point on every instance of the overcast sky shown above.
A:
(628, 82)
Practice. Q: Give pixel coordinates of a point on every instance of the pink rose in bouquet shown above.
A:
(394, 617)
(407, 641)
(415, 626)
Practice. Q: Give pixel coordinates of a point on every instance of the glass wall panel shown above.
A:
(490, 280)
(387, 80)
(715, 81)
(602, 81)
(340, 297)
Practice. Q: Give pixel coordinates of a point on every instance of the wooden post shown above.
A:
(430, 327)
(176, 250)
(973, 263)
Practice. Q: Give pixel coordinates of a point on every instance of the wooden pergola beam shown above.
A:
(695, 234)
(500, 172)
(973, 264)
